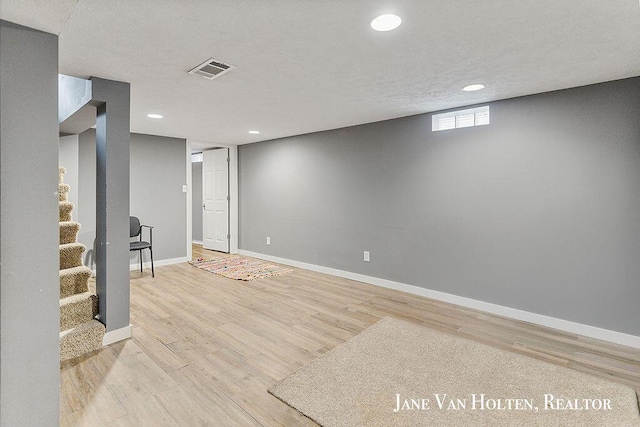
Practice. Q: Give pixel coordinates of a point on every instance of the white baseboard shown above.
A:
(538, 319)
(158, 263)
(117, 335)
(197, 242)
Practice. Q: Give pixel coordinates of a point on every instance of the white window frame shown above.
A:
(460, 119)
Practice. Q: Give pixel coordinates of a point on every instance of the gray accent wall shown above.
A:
(85, 210)
(68, 158)
(29, 254)
(158, 172)
(196, 201)
(538, 211)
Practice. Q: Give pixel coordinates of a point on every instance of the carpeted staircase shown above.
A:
(80, 332)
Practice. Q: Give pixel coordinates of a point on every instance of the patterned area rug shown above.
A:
(240, 268)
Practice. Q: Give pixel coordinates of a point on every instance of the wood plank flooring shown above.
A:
(206, 348)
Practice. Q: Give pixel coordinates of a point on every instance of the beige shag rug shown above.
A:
(400, 374)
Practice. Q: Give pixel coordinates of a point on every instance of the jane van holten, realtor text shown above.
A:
(480, 402)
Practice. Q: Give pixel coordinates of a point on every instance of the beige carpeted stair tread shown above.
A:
(74, 281)
(81, 332)
(82, 339)
(68, 232)
(71, 255)
(63, 192)
(65, 209)
(77, 309)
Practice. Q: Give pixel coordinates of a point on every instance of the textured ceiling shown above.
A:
(305, 66)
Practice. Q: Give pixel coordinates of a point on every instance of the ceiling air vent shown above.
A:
(210, 69)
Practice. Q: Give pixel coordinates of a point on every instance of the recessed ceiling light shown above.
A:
(254, 132)
(386, 22)
(472, 88)
(154, 116)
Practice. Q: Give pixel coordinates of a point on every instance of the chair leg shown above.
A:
(140, 261)
(153, 274)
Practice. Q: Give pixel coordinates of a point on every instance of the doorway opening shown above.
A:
(213, 207)
(215, 200)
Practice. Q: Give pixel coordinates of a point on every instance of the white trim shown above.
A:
(189, 213)
(233, 204)
(197, 242)
(539, 319)
(159, 263)
(233, 191)
(117, 335)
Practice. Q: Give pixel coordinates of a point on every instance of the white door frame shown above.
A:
(233, 194)
(215, 199)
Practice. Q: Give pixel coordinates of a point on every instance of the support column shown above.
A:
(112, 201)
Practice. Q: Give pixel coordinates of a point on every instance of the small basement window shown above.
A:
(460, 119)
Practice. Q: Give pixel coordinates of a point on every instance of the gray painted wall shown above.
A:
(85, 210)
(196, 201)
(158, 171)
(29, 309)
(537, 211)
(68, 158)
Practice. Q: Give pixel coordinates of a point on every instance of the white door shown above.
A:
(215, 199)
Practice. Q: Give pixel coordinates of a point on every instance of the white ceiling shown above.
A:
(305, 66)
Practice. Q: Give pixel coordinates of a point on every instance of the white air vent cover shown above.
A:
(210, 69)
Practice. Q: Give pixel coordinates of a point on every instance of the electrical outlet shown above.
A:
(268, 240)
(366, 256)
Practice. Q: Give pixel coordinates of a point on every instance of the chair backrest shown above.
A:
(134, 226)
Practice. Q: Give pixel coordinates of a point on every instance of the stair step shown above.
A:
(77, 309)
(81, 332)
(82, 339)
(63, 192)
(71, 255)
(65, 211)
(74, 281)
(68, 232)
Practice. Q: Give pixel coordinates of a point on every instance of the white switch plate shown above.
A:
(268, 240)
(366, 256)
(184, 188)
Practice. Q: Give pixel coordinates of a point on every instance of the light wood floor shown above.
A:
(205, 348)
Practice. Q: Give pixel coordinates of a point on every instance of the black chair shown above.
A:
(135, 230)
